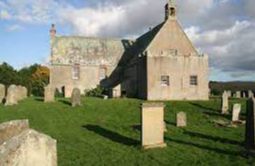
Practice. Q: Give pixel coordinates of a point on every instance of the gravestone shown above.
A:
(22, 146)
(238, 94)
(229, 93)
(250, 124)
(236, 112)
(244, 95)
(152, 135)
(250, 94)
(49, 94)
(76, 97)
(11, 98)
(181, 119)
(2, 93)
(116, 92)
(224, 103)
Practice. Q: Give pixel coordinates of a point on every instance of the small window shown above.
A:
(76, 72)
(102, 73)
(193, 80)
(165, 80)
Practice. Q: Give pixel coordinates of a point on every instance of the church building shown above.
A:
(162, 64)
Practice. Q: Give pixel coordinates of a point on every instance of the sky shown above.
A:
(223, 29)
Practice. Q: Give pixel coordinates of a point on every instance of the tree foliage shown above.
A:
(34, 77)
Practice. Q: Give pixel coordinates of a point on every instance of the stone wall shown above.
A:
(179, 69)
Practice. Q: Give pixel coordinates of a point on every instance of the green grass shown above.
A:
(105, 132)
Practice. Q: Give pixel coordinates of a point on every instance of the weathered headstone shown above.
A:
(238, 94)
(250, 124)
(116, 92)
(236, 112)
(229, 93)
(22, 146)
(181, 119)
(76, 97)
(2, 93)
(250, 94)
(224, 103)
(11, 98)
(152, 134)
(49, 94)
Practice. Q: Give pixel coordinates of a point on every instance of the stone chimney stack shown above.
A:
(170, 10)
(53, 31)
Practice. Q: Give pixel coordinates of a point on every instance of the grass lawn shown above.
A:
(106, 132)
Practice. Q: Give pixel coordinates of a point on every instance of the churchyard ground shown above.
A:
(107, 132)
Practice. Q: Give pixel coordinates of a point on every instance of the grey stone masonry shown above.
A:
(22, 146)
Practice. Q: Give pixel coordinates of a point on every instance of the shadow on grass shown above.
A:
(41, 99)
(170, 123)
(214, 138)
(65, 102)
(204, 108)
(217, 150)
(137, 127)
(111, 135)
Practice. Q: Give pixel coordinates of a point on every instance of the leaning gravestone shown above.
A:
(250, 124)
(11, 98)
(2, 93)
(22, 146)
(229, 93)
(76, 97)
(49, 94)
(224, 103)
(181, 119)
(152, 135)
(236, 112)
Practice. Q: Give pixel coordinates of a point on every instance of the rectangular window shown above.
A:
(193, 80)
(165, 80)
(76, 72)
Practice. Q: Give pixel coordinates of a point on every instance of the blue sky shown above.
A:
(224, 29)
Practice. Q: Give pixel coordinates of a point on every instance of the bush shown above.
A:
(97, 92)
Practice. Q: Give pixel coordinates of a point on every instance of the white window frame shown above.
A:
(193, 80)
(165, 80)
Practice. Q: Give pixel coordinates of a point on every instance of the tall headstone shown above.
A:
(49, 94)
(22, 146)
(181, 119)
(11, 98)
(250, 124)
(250, 94)
(236, 112)
(76, 97)
(238, 94)
(224, 103)
(116, 92)
(152, 134)
(2, 93)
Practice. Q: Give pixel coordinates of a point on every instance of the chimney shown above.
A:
(53, 31)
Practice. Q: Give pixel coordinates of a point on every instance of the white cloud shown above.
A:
(14, 27)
